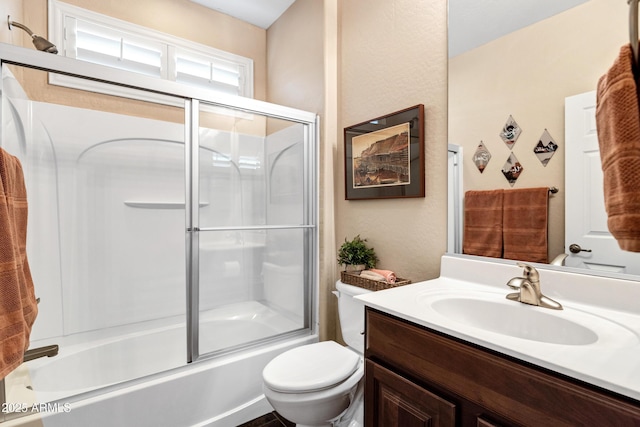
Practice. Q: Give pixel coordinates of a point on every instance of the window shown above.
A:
(216, 73)
(100, 39)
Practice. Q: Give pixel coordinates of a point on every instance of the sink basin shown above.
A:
(474, 312)
(526, 322)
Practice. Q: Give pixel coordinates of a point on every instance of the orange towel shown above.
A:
(618, 124)
(18, 307)
(483, 223)
(525, 224)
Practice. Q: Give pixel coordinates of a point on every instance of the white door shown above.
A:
(587, 238)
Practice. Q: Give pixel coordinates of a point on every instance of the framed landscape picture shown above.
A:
(384, 157)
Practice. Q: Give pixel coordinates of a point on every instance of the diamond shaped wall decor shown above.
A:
(512, 169)
(546, 148)
(481, 157)
(510, 132)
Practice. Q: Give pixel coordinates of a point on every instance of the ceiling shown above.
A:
(473, 23)
(261, 13)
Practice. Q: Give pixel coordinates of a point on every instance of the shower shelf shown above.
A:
(159, 205)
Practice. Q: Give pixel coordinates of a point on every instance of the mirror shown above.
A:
(521, 62)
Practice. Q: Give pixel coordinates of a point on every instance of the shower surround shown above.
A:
(167, 256)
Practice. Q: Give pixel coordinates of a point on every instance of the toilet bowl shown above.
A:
(321, 384)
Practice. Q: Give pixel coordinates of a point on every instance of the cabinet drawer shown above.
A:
(512, 390)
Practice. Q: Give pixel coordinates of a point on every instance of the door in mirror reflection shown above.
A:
(588, 242)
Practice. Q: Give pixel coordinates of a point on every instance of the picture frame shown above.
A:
(384, 157)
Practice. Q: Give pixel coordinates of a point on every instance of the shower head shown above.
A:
(39, 42)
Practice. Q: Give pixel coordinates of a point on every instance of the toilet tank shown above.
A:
(351, 315)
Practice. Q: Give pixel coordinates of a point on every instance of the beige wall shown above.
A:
(393, 56)
(295, 57)
(16, 36)
(12, 8)
(351, 49)
(528, 74)
(296, 77)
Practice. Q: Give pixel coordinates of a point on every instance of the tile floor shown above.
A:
(272, 419)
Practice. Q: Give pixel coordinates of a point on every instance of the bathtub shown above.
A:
(222, 392)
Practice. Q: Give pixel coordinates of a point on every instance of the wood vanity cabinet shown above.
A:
(415, 376)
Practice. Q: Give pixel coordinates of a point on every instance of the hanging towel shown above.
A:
(18, 308)
(526, 213)
(618, 125)
(483, 223)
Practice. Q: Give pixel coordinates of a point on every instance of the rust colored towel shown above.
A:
(618, 124)
(483, 223)
(18, 307)
(525, 224)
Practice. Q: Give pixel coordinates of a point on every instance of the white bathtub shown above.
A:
(222, 392)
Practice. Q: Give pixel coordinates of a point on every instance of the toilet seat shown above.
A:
(310, 368)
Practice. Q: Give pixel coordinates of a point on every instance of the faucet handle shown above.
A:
(529, 272)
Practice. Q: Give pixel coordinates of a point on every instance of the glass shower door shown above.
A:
(254, 228)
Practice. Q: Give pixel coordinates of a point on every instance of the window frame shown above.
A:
(61, 15)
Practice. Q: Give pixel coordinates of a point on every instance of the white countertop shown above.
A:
(611, 307)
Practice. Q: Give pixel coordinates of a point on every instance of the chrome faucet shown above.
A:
(528, 288)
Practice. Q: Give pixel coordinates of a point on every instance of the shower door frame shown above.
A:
(309, 225)
(192, 97)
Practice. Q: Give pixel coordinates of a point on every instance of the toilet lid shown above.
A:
(310, 367)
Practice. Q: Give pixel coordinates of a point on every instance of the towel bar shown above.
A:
(633, 29)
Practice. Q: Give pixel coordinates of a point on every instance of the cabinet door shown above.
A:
(485, 423)
(391, 400)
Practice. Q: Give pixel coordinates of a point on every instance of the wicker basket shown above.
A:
(373, 285)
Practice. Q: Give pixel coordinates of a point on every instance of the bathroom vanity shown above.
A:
(455, 352)
(414, 374)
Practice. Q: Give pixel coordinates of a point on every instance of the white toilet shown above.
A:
(321, 384)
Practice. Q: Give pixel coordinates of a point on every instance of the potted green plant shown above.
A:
(356, 255)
